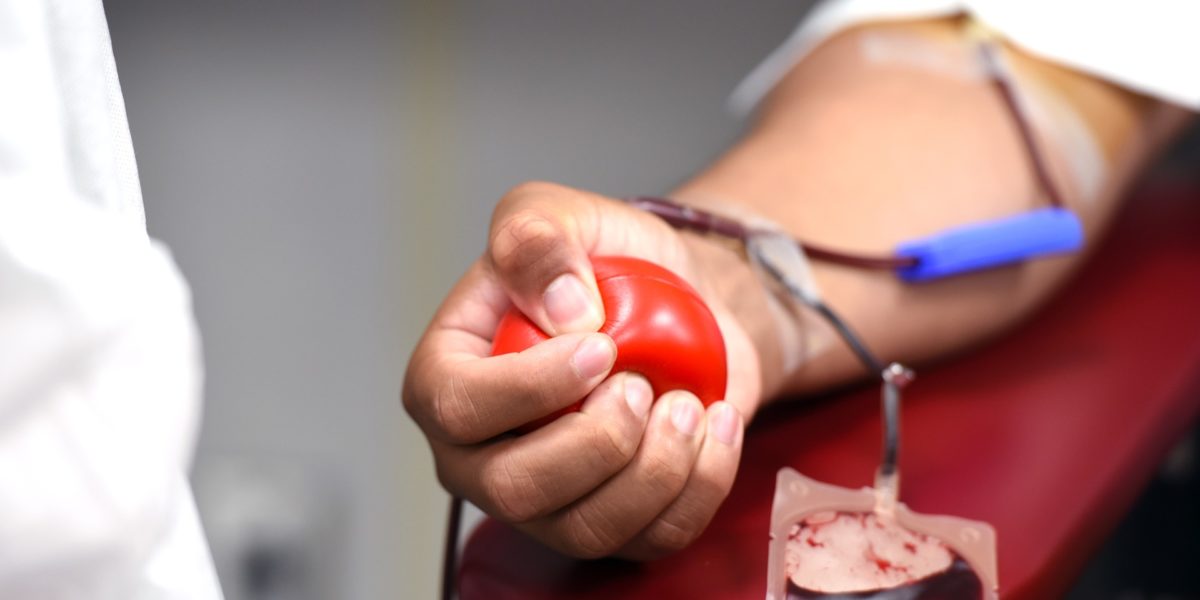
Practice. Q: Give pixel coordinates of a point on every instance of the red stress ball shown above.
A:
(663, 330)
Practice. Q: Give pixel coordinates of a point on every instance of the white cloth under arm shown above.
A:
(1148, 46)
(100, 369)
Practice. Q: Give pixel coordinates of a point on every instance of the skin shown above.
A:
(844, 153)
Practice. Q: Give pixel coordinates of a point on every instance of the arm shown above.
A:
(845, 153)
(861, 154)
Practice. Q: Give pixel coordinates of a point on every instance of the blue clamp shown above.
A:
(992, 244)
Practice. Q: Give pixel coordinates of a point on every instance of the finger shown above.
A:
(536, 250)
(474, 399)
(711, 479)
(605, 520)
(474, 307)
(523, 478)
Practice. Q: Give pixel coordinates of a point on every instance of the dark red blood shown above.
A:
(957, 582)
(662, 328)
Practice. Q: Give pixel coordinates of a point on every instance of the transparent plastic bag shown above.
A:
(834, 542)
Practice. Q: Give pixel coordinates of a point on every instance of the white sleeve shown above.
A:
(1149, 46)
(100, 370)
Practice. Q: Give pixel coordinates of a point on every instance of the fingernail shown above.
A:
(570, 306)
(725, 423)
(638, 394)
(684, 415)
(594, 355)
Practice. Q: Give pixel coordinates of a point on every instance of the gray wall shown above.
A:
(324, 171)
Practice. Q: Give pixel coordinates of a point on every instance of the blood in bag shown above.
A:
(832, 543)
(843, 555)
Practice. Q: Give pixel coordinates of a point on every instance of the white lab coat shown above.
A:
(99, 358)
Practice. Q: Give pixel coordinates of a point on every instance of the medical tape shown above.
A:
(1064, 131)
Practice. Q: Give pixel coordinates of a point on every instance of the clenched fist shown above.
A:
(627, 474)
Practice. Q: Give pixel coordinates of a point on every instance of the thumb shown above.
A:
(536, 251)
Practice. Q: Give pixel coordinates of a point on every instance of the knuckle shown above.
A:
(413, 392)
(541, 388)
(454, 411)
(666, 536)
(590, 535)
(666, 475)
(409, 398)
(445, 475)
(612, 444)
(507, 489)
(523, 239)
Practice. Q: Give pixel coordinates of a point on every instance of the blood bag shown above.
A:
(832, 542)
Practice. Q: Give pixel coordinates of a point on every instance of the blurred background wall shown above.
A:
(324, 171)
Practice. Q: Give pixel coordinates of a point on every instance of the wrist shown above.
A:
(733, 287)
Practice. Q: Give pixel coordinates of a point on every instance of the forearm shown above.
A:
(856, 153)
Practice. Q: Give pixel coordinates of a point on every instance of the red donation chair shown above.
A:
(1049, 434)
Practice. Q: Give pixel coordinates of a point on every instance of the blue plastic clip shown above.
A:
(992, 244)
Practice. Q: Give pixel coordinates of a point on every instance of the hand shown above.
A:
(624, 475)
